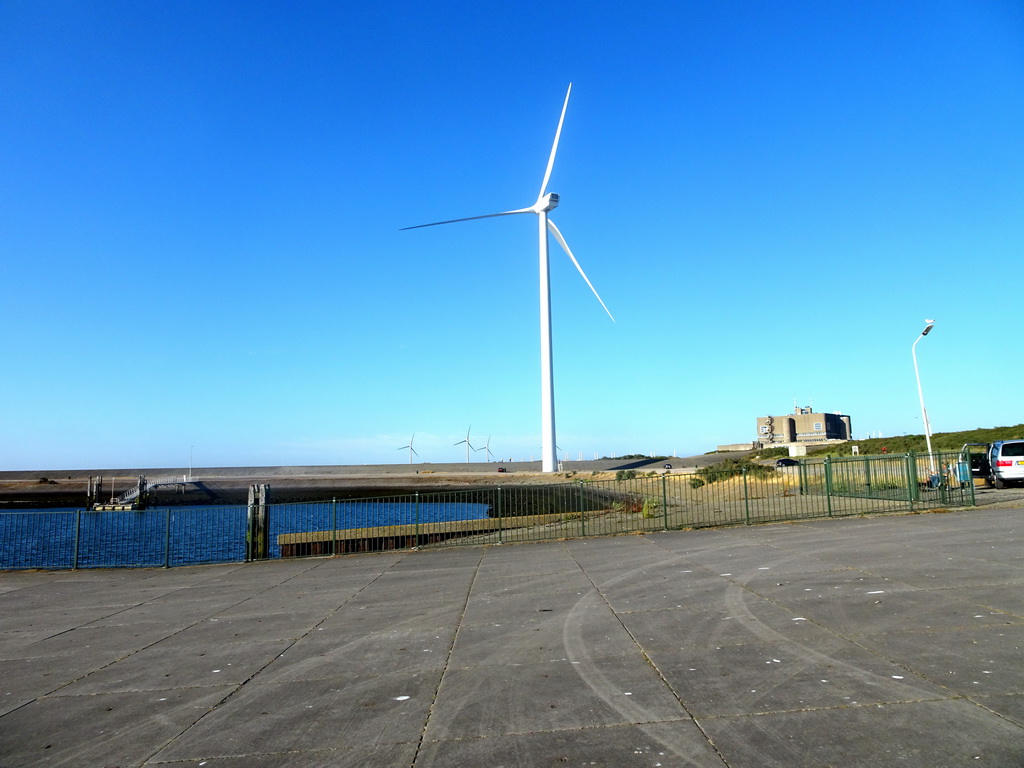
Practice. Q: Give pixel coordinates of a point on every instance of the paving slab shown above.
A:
(498, 606)
(112, 729)
(543, 636)
(302, 715)
(1010, 706)
(549, 696)
(537, 559)
(95, 643)
(365, 615)
(893, 611)
(180, 661)
(23, 681)
(846, 642)
(41, 618)
(760, 677)
(341, 654)
(320, 600)
(533, 583)
(973, 661)
(929, 733)
(1007, 598)
(674, 744)
(729, 622)
(799, 587)
(229, 627)
(349, 756)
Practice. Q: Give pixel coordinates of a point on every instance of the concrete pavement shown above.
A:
(851, 642)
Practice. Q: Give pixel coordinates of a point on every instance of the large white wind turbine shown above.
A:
(546, 201)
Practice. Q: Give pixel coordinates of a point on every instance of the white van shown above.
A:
(1006, 462)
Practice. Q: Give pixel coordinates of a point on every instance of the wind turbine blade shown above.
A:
(470, 218)
(554, 146)
(565, 247)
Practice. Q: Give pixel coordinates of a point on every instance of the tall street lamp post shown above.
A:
(920, 395)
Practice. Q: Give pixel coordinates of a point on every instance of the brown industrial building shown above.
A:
(803, 426)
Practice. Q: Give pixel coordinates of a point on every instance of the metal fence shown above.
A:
(134, 539)
(578, 507)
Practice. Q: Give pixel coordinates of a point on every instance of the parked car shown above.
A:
(786, 463)
(1006, 462)
(975, 455)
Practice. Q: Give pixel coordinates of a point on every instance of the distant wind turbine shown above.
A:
(409, 446)
(487, 449)
(545, 202)
(469, 446)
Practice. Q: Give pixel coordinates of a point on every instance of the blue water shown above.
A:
(68, 538)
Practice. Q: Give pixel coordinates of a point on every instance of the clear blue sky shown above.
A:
(200, 207)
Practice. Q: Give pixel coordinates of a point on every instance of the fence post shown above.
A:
(913, 490)
(867, 473)
(417, 520)
(746, 499)
(250, 524)
(258, 528)
(581, 505)
(828, 484)
(78, 531)
(500, 513)
(334, 526)
(167, 540)
(664, 502)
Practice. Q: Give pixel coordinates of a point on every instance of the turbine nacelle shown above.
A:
(545, 203)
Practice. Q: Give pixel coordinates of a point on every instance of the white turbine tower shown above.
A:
(545, 202)
(409, 446)
(469, 446)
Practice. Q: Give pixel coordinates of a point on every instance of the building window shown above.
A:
(817, 426)
(764, 429)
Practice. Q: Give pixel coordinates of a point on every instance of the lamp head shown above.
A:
(928, 328)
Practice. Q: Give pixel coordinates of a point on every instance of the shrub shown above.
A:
(625, 474)
(632, 504)
(723, 470)
(771, 453)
